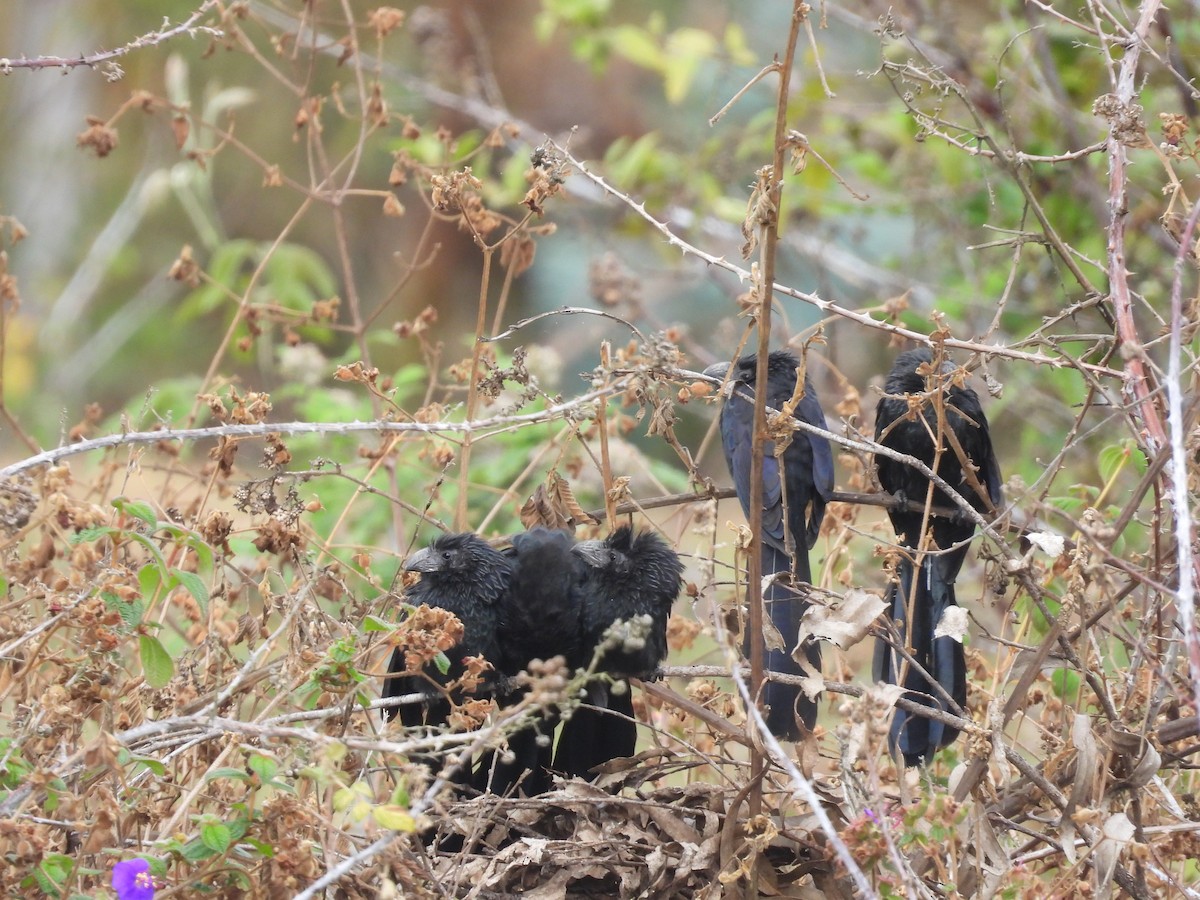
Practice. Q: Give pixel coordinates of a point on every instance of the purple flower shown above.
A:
(132, 880)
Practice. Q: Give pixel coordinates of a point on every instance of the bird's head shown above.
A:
(745, 369)
(599, 555)
(447, 553)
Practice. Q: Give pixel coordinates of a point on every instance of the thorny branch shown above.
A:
(106, 59)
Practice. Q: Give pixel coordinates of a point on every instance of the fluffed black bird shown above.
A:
(799, 483)
(539, 618)
(630, 578)
(901, 427)
(463, 574)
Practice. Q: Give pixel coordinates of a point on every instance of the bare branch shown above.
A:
(107, 58)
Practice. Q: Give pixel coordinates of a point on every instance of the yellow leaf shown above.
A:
(394, 818)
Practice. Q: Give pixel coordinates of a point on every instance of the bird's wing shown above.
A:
(810, 411)
(736, 435)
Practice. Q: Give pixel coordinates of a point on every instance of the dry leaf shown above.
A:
(953, 623)
(845, 624)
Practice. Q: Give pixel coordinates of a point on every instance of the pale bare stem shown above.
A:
(1180, 477)
(937, 127)
(1056, 14)
(720, 113)
(812, 42)
(1105, 38)
(492, 425)
(564, 311)
(364, 124)
(505, 291)
(112, 70)
(352, 862)
(809, 150)
(1002, 303)
(825, 306)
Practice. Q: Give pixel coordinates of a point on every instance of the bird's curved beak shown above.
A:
(717, 371)
(426, 560)
(594, 553)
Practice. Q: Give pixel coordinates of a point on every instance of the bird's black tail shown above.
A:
(785, 605)
(917, 738)
(601, 731)
(523, 765)
(434, 712)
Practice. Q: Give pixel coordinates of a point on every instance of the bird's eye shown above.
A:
(446, 555)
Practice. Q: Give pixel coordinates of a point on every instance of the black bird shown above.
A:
(802, 487)
(900, 427)
(628, 578)
(539, 618)
(463, 574)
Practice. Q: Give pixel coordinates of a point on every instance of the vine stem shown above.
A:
(770, 239)
(464, 460)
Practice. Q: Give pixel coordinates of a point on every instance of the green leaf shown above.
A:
(374, 623)
(237, 774)
(237, 828)
(150, 546)
(1072, 505)
(355, 801)
(401, 796)
(92, 534)
(215, 836)
(262, 847)
(195, 586)
(131, 613)
(196, 851)
(149, 581)
(156, 662)
(262, 766)
(57, 867)
(442, 661)
(1065, 683)
(1111, 460)
(152, 764)
(1138, 457)
(137, 510)
(202, 550)
(44, 882)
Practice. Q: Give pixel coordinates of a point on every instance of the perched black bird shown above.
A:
(628, 578)
(926, 597)
(539, 618)
(462, 574)
(801, 487)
